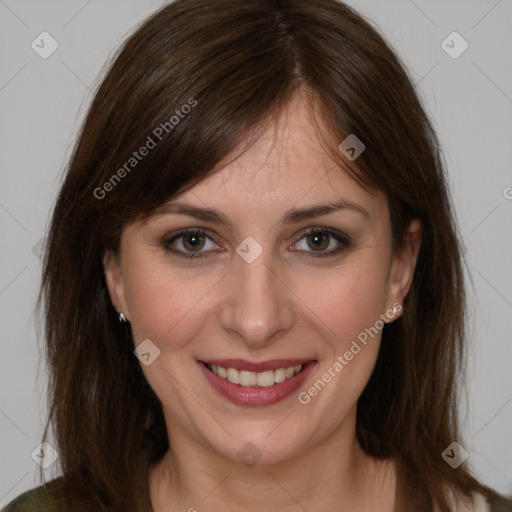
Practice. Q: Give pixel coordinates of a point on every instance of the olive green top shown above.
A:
(61, 495)
(69, 495)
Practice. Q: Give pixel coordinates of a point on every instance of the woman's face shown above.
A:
(274, 279)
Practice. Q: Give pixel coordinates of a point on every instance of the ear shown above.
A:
(402, 268)
(114, 280)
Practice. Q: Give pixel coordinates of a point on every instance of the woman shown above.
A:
(253, 287)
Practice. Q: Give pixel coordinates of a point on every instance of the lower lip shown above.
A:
(254, 395)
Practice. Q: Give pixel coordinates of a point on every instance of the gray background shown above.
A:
(42, 102)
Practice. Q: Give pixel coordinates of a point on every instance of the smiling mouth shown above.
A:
(264, 379)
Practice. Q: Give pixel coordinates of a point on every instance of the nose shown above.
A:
(258, 306)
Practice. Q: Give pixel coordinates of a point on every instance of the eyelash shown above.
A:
(341, 238)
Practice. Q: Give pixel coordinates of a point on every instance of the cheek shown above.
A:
(349, 305)
(347, 302)
(166, 305)
(169, 308)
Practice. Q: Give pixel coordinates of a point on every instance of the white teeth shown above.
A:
(247, 378)
(233, 376)
(279, 375)
(263, 379)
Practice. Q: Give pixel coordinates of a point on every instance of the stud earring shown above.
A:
(396, 309)
(122, 319)
(392, 313)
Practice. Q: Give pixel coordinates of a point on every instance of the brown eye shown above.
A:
(189, 243)
(193, 242)
(316, 241)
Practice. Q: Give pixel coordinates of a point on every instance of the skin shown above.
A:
(285, 304)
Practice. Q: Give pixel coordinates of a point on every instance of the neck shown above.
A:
(333, 475)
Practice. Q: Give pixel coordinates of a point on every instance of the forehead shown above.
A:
(286, 165)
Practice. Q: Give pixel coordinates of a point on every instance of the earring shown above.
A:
(122, 319)
(396, 309)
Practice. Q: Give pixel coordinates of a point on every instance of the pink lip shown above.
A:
(254, 395)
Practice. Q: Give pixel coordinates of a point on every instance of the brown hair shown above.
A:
(235, 64)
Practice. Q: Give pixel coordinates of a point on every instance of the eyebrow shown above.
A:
(291, 217)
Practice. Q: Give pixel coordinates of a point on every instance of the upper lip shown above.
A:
(242, 364)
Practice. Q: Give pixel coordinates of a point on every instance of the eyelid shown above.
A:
(342, 239)
(335, 233)
(168, 239)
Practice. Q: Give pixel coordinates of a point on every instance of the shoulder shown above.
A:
(44, 497)
(480, 504)
(498, 503)
(490, 503)
(62, 494)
